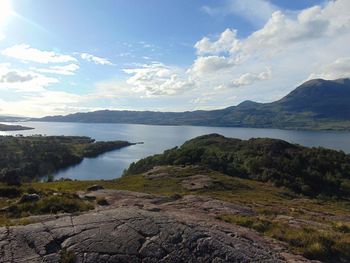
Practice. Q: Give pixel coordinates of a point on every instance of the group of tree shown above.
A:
(309, 171)
(33, 157)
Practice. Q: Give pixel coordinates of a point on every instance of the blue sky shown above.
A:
(59, 57)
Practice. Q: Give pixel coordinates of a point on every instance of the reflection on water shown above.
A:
(159, 138)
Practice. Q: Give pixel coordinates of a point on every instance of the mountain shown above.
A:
(316, 104)
(5, 118)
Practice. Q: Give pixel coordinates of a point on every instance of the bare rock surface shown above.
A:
(138, 227)
(197, 182)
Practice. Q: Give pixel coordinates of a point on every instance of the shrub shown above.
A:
(102, 201)
(10, 192)
(67, 256)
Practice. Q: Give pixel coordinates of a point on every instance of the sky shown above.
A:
(62, 56)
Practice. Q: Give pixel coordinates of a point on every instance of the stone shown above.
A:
(95, 187)
(133, 235)
(29, 198)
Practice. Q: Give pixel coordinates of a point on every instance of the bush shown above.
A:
(66, 203)
(318, 244)
(10, 192)
(102, 202)
(67, 256)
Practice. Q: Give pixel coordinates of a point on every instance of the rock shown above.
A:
(139, 227)
(131, 235)
(29, 198)
(95, 187)
(197, 182)
(102, 202)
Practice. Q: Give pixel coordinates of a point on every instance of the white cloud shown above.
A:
(23, 80)
(210, 65)
(294, 45)
(227, 42)
(15, 76)
(157, 79)
(250, 78)
(340, 68)
(95, 59)
(60, 70)
(310, 43)
(26, 53)
(43, 103)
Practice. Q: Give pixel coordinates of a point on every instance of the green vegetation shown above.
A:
(295, 194)
(309, 171)
(326, 244)
(4, 127)
(13, 210)
(67, 256)
(95, 149)
(24, 159)
(316, 228)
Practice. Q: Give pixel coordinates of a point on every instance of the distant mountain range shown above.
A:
(316, 104)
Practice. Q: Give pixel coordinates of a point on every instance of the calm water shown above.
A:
(159, 138)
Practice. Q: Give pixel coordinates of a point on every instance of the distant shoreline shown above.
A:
(4, 127)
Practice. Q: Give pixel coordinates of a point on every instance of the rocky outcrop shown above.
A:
(150, 229)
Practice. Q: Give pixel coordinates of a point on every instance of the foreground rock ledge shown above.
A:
(131, 234)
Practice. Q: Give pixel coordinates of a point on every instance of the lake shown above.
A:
(159, 138)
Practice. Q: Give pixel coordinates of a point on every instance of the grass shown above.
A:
(14, 212)
(322, 230)
(67, 256)
(312, 242)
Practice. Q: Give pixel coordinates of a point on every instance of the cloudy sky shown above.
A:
(64, 56)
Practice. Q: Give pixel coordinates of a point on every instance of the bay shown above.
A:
(156, 139)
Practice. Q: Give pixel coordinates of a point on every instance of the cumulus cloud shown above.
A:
(295, 46)
(210, 64)
(340, 68)
(291, 45)
(14, 76)
(26, 53)
(69, 69)
(23, 80)
(250, 78)
(309, 43)
(157, 79)
(227, 42)
(95, 59)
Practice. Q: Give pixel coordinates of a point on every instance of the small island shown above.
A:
(5, 127)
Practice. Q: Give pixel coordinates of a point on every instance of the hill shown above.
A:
(172, 213)
(309, 171)
(316, 104)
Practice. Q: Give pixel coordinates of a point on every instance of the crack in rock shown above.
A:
(128, 235)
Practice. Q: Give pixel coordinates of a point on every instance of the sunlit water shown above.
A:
(159, 138)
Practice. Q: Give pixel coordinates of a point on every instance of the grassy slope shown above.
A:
(318, 229)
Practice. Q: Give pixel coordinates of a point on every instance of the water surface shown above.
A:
(159, 138)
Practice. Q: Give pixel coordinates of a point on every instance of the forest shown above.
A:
(307, 171)
(24, 159)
